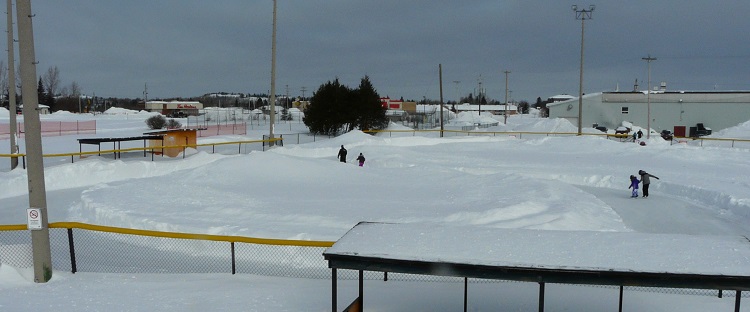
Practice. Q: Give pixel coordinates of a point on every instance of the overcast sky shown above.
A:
(184, 48)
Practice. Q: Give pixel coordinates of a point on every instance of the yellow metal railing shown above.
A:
(205, 237)
(85, 247)
(152, 149)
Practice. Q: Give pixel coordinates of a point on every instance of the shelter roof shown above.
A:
(575, 257)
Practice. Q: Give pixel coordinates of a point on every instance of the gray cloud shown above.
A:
(190, 47)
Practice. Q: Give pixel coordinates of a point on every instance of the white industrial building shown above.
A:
(669, 110)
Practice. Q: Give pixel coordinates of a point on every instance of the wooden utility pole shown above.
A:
(35, 164)
(648, 95)
(506, 96)
(272, 98)
(440, 69)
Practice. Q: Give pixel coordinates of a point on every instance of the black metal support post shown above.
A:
(737, 298)
(541, 297)
(234, 263)
(361, 290)
(334, 289)
(72, 249)
(620, 307)
(466, 293)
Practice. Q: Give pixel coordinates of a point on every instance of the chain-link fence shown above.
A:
(77, 247)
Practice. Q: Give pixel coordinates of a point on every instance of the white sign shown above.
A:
(34, 216)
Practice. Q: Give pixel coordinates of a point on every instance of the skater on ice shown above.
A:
(634, 185)
(645, 178)
(361, 159)
(342, 154)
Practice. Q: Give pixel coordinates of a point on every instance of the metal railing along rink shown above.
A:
(81, 247)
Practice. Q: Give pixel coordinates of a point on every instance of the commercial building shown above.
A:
(669, 110)
(175, 108)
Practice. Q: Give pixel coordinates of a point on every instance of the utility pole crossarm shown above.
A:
(582, 15)
(648, 60)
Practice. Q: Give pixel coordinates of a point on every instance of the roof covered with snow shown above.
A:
(543, 249)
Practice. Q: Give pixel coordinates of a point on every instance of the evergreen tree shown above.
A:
(43, 97)
(327, 113)
(523, 107)
(335, 107)
(370, 112)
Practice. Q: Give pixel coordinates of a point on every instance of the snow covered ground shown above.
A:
(300, 191)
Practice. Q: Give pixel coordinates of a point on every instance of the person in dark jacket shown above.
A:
(361, 159)
(342, 154)
(645, 179)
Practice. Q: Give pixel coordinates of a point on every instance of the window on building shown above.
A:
(624, 109)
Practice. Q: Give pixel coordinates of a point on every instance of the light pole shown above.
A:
(35, 162)
(582, 15)
(648, 95)
(272, 98)
(440, 70)
(506, 96)
(13, 127)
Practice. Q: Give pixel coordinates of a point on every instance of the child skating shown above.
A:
(634, 185)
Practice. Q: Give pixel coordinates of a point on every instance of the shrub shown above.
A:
(173, 124)
(156, 122)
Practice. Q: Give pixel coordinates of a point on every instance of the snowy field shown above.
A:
(301, 191)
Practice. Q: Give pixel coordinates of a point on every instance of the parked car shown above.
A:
(667, 135)
(600, 128)
(699, 130)
(622, 130)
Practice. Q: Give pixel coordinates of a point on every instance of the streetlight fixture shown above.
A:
(648, 95)
(582, 15)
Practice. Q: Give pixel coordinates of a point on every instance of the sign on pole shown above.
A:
(34, 217)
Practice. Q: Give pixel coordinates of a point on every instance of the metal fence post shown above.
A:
(233, 260)
(334, 289)
(72, 249)
(541, 297)
(737, 301)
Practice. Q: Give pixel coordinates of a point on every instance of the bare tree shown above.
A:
(74, 89)
(51, 80)
(64, 92)
(18, 78)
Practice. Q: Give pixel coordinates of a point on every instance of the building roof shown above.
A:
(97, 141)
(575, 257)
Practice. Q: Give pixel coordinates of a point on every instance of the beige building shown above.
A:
(175, 108)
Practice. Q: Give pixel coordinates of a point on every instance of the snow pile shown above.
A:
(473, 118)
(741, 131)
(123, 111)
(542, 125)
